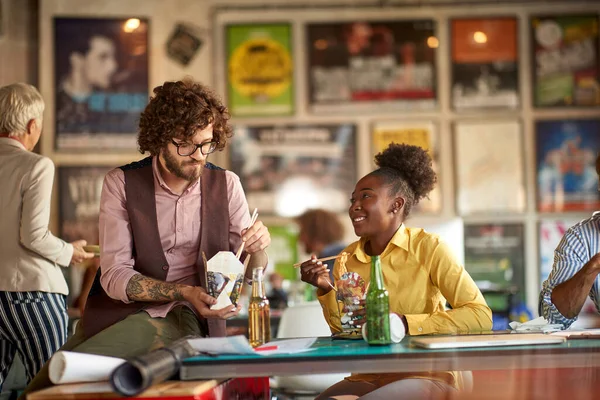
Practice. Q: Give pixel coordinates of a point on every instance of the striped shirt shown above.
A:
(579, 244)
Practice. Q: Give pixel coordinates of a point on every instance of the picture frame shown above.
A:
(100, 82)
(484, 62)
(489, 167)
(259, 69)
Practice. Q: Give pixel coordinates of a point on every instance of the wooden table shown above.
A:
(255, 388)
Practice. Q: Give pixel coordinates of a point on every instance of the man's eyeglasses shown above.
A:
(187, 149)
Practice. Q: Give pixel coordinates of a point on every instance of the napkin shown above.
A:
(539, 324)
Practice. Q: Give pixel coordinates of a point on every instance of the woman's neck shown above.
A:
(375, 245)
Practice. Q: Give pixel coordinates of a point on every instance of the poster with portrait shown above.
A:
(495, 255)
(484, 63)
(551, 232)
(260, 73)
(79, 198)
(566, 165)
(101, 82)
(372, 65)
(287, 169)
(489, 167)
(417, 133)
(566, 68)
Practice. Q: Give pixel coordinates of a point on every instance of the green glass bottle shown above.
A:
(378, 307)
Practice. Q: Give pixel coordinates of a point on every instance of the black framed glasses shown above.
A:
(187, 149)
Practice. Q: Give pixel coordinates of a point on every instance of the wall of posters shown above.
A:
(566, 70)
(484, 63)
(551, 232)
(566, 165)
(79, 190)
(290, 168)
(101, 82)
(260, 69)
(422, 134)
(495, 255)
(367, 65)
(489, 167)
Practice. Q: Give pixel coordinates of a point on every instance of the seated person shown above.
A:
(157, 217)
(277, 296)
(419, 272)
(575, 272)
(321, 233)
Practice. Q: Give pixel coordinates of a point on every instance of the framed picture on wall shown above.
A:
(495, 256)
(370, 65)
(417, 133)
(79, 201)
(485, 63)
(260, 73)
(489, 167)
(551, 232)
(101, 82)
(566, 165)
(287, 169)
(566, 69)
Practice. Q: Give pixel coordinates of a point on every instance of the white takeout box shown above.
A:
(226, 263)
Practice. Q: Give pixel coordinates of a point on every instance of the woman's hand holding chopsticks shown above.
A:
(314, 272)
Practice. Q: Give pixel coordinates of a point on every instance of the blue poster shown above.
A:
(101, 82)
(566, 165)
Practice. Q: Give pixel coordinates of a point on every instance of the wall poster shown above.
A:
(566, 70)
(485, 63)
(566, 153)
(260, 75)
(495, 256)
(101, 82)
(489, 167)
(287, 169)
(367, 65)
(417, 133)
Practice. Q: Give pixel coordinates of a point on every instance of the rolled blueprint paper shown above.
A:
(139, 373)
(71, 367)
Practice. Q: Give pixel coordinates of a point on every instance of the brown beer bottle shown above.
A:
(259, 311)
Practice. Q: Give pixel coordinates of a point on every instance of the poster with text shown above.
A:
(79, 190)
(260, 70)
(484, 63)
(417, 133)
(551, 233)
(495, 255)
(372, 65)
(489, 167)
(288, 169)
(566, 70)
(566, 165)
(101, 82)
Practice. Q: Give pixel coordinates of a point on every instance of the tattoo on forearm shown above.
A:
(142, 288)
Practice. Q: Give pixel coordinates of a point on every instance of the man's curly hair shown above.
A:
(178, 110)
(408, 170)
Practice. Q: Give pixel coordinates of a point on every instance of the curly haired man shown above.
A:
(157, 216)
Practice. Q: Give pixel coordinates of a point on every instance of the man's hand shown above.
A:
(257, 237)
(79, 254)
(202, 301)
(315, 273)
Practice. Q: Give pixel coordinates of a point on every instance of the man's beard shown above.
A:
(177, 169)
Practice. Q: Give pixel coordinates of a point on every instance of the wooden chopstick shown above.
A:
(252, 221)
(318, 259)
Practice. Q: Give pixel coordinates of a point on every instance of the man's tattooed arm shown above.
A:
(142, 288)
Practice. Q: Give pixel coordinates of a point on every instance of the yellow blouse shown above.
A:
(420, 273)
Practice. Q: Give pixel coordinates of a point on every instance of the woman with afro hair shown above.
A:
(419, 271)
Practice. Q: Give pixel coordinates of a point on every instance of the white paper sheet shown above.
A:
(240, 345)
(70, 367)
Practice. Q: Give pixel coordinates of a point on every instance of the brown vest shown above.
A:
(101, 311)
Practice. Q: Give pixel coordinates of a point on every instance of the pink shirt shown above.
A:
(179, 228)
